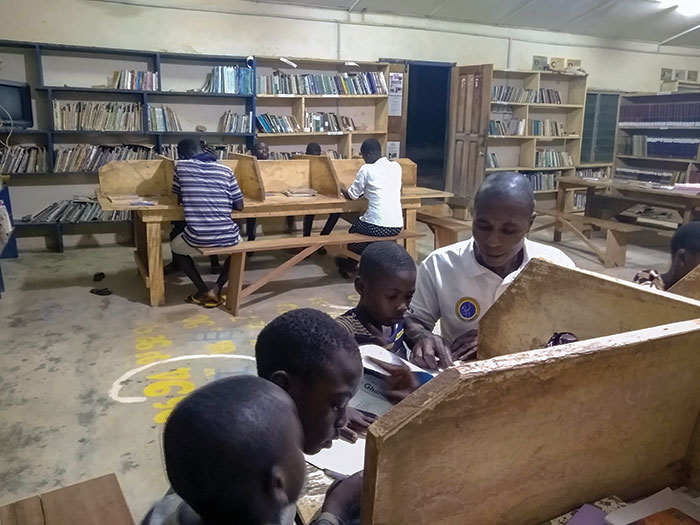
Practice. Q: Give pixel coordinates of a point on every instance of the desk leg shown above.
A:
(411, 245)
(561, 208)
(688, 214)
(155, 263)
(235, 282)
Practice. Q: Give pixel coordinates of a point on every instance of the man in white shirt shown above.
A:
(457, 284)
(379, 181)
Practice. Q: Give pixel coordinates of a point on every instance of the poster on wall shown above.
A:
(393, 149)
(395, 94)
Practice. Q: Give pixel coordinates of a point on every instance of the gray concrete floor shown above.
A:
(63, 350)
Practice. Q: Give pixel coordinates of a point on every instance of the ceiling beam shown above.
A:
(441, 6)
(353, 6)
(600, 6)
(519, 9)
(682, 33)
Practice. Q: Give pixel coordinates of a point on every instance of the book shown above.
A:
(162, 118)
(543, 180)
(90, 157)
(552, 159)
(97, 116)
(660, 114)
(661, 501)
(231, 122)
(327, 122)
(23, 159)
(667, 517)
(134, 80)
(79, 209)
(588, 515)
(233, 80)
(361, 83)
(503, 93)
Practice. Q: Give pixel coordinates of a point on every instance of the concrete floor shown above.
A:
(63, 350)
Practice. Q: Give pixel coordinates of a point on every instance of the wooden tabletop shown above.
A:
(626, 186)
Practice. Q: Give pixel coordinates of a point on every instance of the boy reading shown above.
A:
(685, 255)
(208, 192)
(457, 284)
(379, 181)
(233, 455)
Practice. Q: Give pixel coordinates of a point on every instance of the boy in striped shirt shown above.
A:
(208, 192)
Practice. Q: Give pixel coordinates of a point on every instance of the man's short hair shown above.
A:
(687, 238)
(223, 438)
(188, 148)
(371, 146)
(313, 148)
(301, 342)
(506, 185)
(384, 258)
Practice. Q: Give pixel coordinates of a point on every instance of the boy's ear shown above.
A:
(681, 258)
(281, 379)
(359, 285)
(278, 487)
(532, 219)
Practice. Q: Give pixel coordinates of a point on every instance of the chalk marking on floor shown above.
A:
(117, 385)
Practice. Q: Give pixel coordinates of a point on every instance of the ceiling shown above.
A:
(640, 20)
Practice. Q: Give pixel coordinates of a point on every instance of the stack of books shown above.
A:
(233, 80)
(89, 157)
(543, 180)
(552, 159)
(518, 95)
(547, 128)
(78, 210)
(134, 80)
(162, 118)
(671, 147)
(512, 127)
(369, 83)
(97, 116)
(318, 122)
(231, 122)
(685, 114)
(278, 124)
(665, 177)
(23, 159)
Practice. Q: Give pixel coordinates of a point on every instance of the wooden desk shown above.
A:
(621, 195)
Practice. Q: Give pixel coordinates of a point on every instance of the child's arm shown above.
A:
(176, 186)
(342, 502)
(357, 189)
(236, 194)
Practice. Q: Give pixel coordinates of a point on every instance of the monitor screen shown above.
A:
(15, 104)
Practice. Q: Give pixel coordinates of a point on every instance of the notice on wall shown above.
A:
(393, 149)
(395, 94)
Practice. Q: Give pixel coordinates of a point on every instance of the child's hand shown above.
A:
(358, 423)
(401, 381)
(464, 347)
(344, 497)
(379, 338)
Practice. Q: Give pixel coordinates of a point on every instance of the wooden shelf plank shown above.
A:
(69, 89)
(546, 138)
(355, 97)
(530, 168)
(656, 159)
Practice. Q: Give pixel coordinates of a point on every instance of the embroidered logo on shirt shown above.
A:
(467, 309)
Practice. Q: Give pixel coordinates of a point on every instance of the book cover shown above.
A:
(667, 517)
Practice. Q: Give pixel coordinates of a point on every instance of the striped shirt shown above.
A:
(208, 191)
(356, 324)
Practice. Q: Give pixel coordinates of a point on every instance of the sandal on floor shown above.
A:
(101, 291)
(191, 299)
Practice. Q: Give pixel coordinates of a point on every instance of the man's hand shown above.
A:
(401, 381)
(344, 497)
(358, 423)
(464, 347)
(431, 352)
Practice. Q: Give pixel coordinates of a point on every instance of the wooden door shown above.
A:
(470, 99)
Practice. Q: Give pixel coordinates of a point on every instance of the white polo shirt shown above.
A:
(453, 288)
(380, 183)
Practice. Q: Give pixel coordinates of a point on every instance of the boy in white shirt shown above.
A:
(457, 284)
(379, 181)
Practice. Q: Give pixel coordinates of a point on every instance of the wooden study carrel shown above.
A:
(526, 437)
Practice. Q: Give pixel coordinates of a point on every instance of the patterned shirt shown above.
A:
(356, 323)
(208, 191)
(650, 279)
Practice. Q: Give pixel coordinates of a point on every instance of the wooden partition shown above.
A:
(147, 178)
(547, 298)
(248, 176)
(689, 286)
(523, 438)
(346, 169)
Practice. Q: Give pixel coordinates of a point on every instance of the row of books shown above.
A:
(543, 180)
(579, 201)
(547, 128)
(366, 83)
(672, 147)
(231, 122)
(501, 93)
(89, 157)
(134, 80)
(327, 122)
(278, 124)
(78, 210)
(667, 177)
(97, 116)
(233, 80)
(286, 155)
(552, 159)
(682, 114)
(163, 118)
(222, 151)
(23, 159)
(594, 173)
(512, 127)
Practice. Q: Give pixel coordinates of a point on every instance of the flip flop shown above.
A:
(101, 291)
(191, 299)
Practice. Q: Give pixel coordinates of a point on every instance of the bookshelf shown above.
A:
(535, 125)
(284, 92)
(658, 138)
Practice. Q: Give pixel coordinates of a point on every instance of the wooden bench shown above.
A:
(309, 245)
(445, 229)
(98, 500)
(615, 252)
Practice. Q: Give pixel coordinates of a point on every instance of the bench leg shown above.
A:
(156, 279)
(615, 249)
(444, 237)
(411, 245)
(235, 282)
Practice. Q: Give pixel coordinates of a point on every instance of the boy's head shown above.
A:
(261, 151)
(504, 209)
(318, 363)
(233, 451)
(386, 281)
(313, 148)
(371, 151)
(685, 250)
(188, 148)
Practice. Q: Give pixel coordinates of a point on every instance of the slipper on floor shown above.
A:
(191, 299)
(101, 291)
(98, 277)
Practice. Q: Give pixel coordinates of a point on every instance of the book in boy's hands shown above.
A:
(654, 507)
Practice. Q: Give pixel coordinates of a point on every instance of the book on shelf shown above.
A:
(80, 209)
(363, 83)
(23, 159)
(670, 114)
(90, 157)
(231, 122)
(134, 80)
(268, 123)
(222, 151)
(547, 128)
(97, 116)
(502, 93)
(163, 118)
(492, 160)
(552, 159)
(543, 180)
(594, 173)
(321, 122)
(579, 201)
(671, 147)
(657, 176)
(510, 127)
(232, 80)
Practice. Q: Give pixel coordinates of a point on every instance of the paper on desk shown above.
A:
(381, 354)
(342, 458)
(658, 502)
